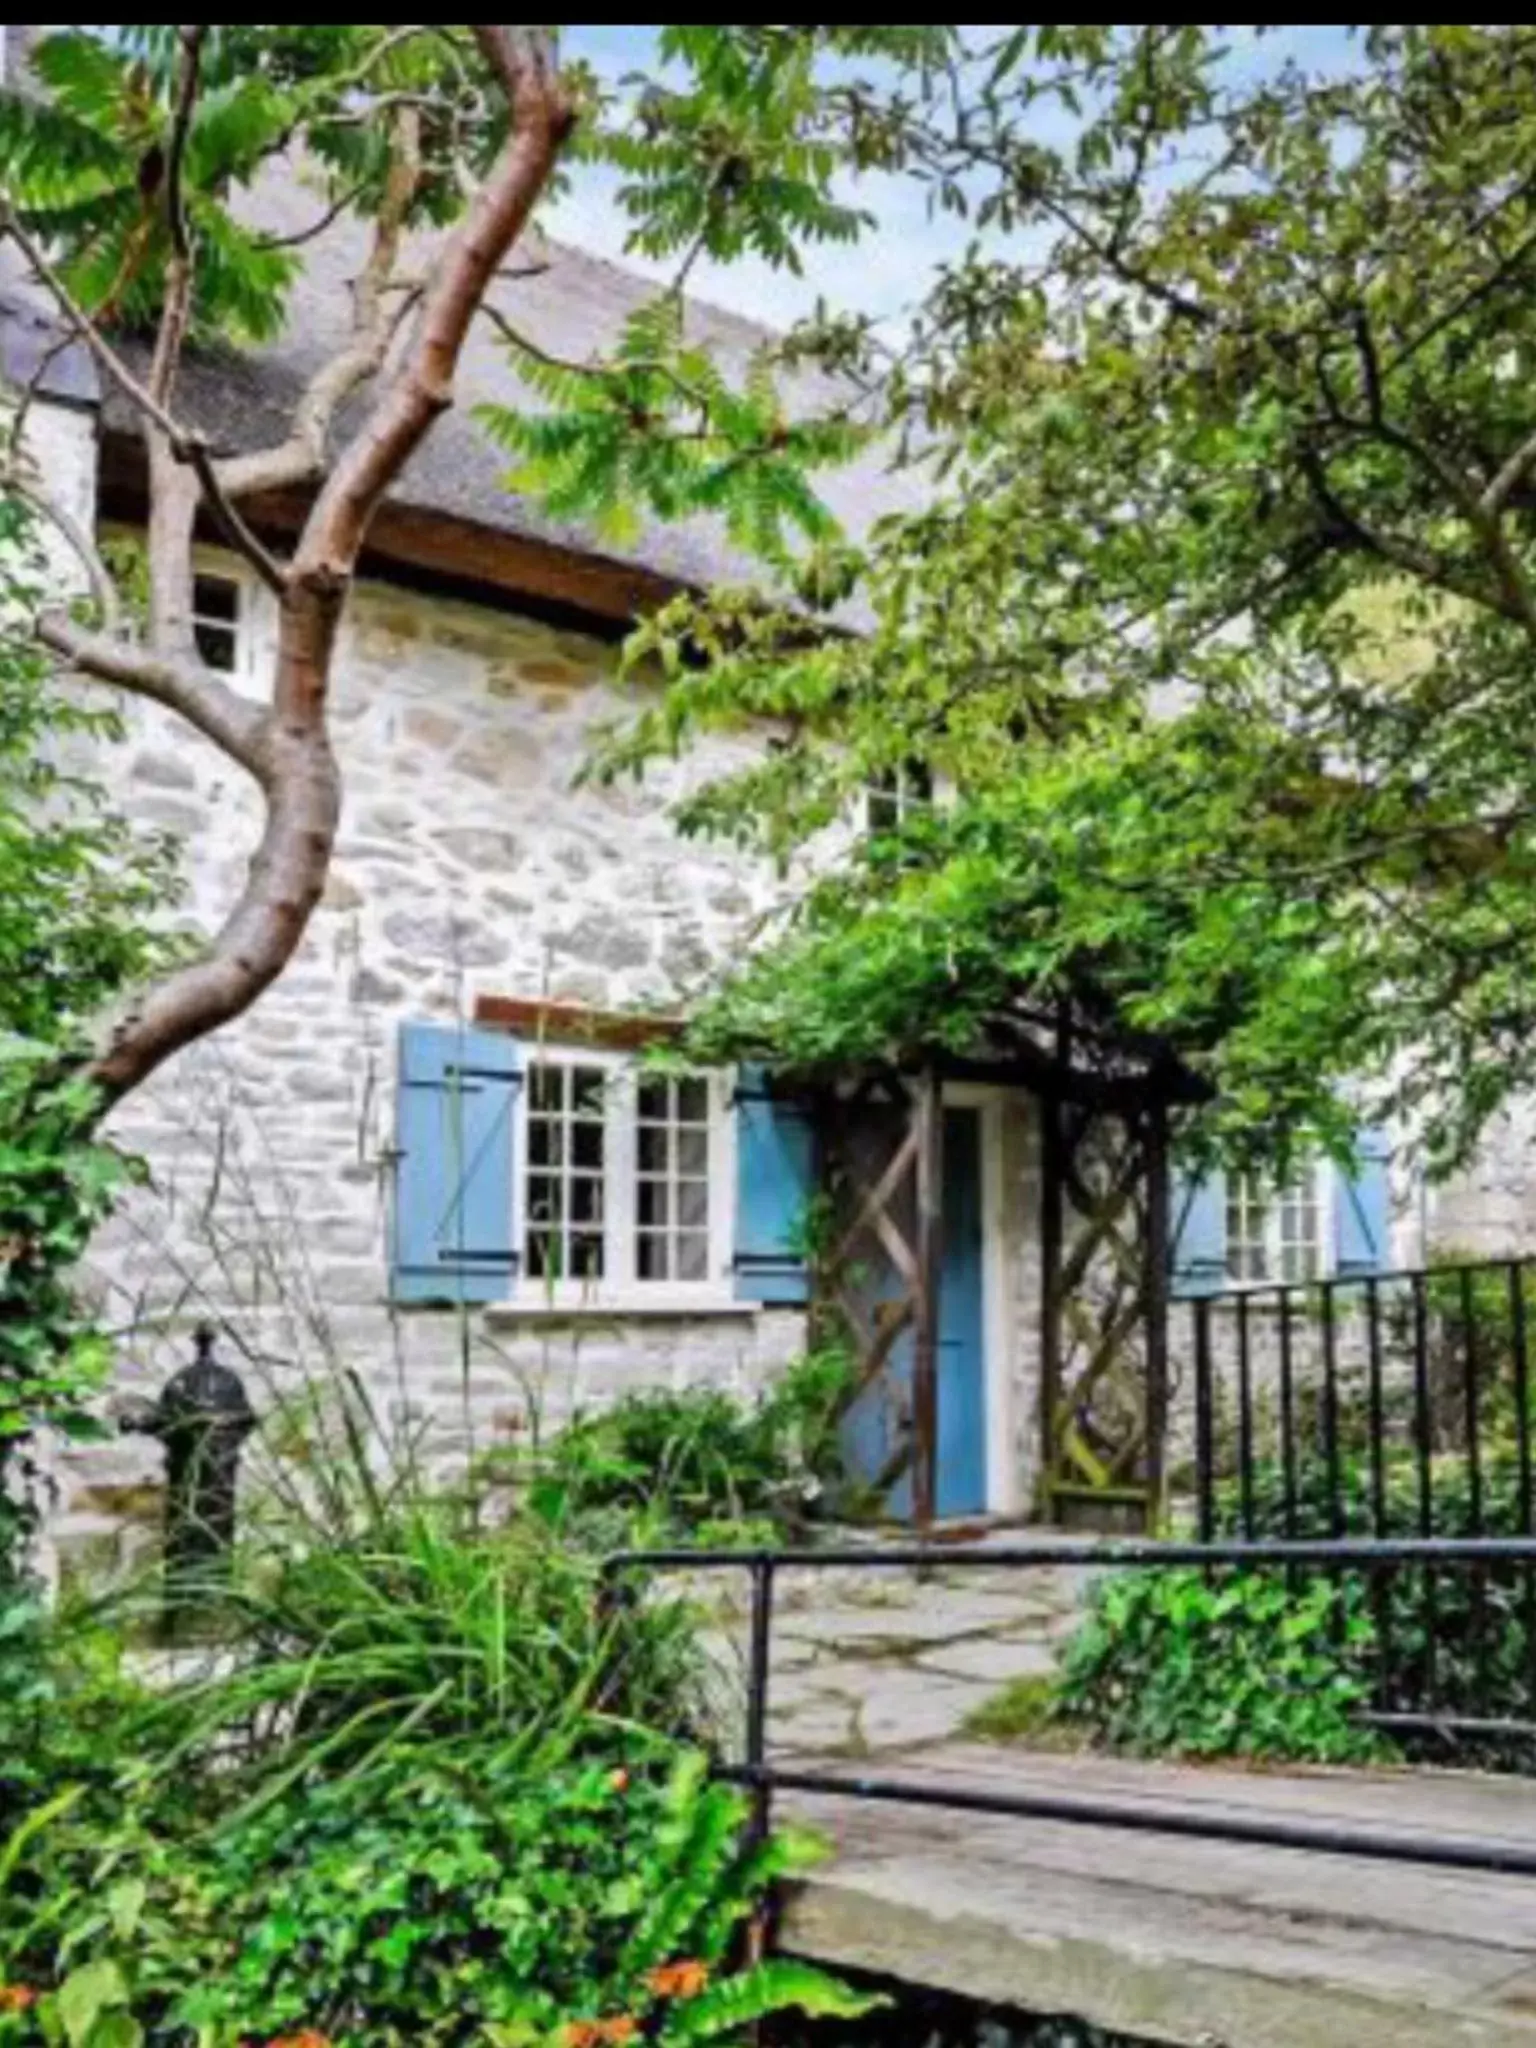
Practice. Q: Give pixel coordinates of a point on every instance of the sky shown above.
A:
(885, 275)
(888, 272)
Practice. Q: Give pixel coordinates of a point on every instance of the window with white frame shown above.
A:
(624, 1178)
(217, 606)
(1277, 1234)
(893, 795)
(672, 1178)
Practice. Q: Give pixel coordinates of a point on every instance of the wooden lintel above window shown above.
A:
(575, 1024)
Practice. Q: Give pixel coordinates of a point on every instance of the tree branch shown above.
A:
(237, 727)
(1510, 475)
(185, 447)
(288, 747)
(179, 271)
(1399, 549)
(301, 458)
(78, 539)
(542, 115)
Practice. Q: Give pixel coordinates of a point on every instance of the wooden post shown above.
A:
(928, 1119)
(1155, 1295)
(1051, 1231)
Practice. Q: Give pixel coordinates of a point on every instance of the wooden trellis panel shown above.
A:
(1104, 1359)
(882, 1277)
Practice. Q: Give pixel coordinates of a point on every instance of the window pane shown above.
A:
(1247, 1228)
(587, 1145)
(587, 1091)
(586, 1199)
(654, 1148)
(544, 1146)
(545, 1191)
(216, 597)
(882, 805)
(692, 1255)
(586, 1255)
(540, 1256)
(545, 1087)
(216, 645)
(672, 1208)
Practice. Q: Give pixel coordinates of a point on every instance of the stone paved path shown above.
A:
(874, 1663)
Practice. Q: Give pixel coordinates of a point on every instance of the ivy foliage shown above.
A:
(1219, 618)
(1185, 1663)
(78, 891)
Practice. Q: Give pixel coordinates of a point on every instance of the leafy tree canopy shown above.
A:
(1220, 622)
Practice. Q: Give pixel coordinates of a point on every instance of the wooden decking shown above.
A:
(1178, 1940)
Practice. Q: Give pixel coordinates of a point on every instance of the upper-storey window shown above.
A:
(893, 795)
(217, 603)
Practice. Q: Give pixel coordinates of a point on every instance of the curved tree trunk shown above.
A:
(286, 746)
(301, 782)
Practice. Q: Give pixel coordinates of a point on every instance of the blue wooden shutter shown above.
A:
(775, 1178)
(1199, 1234)
(1362, 1239)
(455, 1221)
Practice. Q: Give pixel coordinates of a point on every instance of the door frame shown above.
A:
(997, 1399)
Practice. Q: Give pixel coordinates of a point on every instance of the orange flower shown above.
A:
(619, 1780)
(679, 1980)
(602, 2033)
(17, 1997)
(306, 2037)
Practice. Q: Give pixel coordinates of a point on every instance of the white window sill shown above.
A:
(661, 1307)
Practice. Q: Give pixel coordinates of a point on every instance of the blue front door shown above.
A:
(960, 1483)
(877, 1428)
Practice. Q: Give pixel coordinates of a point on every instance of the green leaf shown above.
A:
(86, 1995)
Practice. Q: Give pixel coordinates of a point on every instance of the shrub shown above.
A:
(428, 1788)
(1452, 1641)
(698, 1463)
(419, 1626)
(420, 1900)
(1176, 1663)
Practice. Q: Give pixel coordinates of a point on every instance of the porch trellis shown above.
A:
(1103, 1248)
(895, 1202)
(1104, 1312)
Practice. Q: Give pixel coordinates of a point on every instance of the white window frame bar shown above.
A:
(1274, 1247)
(620, 1286)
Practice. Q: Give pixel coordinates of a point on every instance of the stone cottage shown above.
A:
(429, 1158)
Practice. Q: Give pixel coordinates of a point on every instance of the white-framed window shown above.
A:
(624, 1181)
(892, 795)
(1278, 1234)
(220, 624)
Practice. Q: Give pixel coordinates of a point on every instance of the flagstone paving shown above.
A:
(874, 1663)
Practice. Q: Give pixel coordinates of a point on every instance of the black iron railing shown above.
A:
(1383, 1406)
(1371, 1559)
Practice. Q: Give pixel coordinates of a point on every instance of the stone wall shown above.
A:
(468, 862)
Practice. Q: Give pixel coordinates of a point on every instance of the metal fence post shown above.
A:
(1205, 1430)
